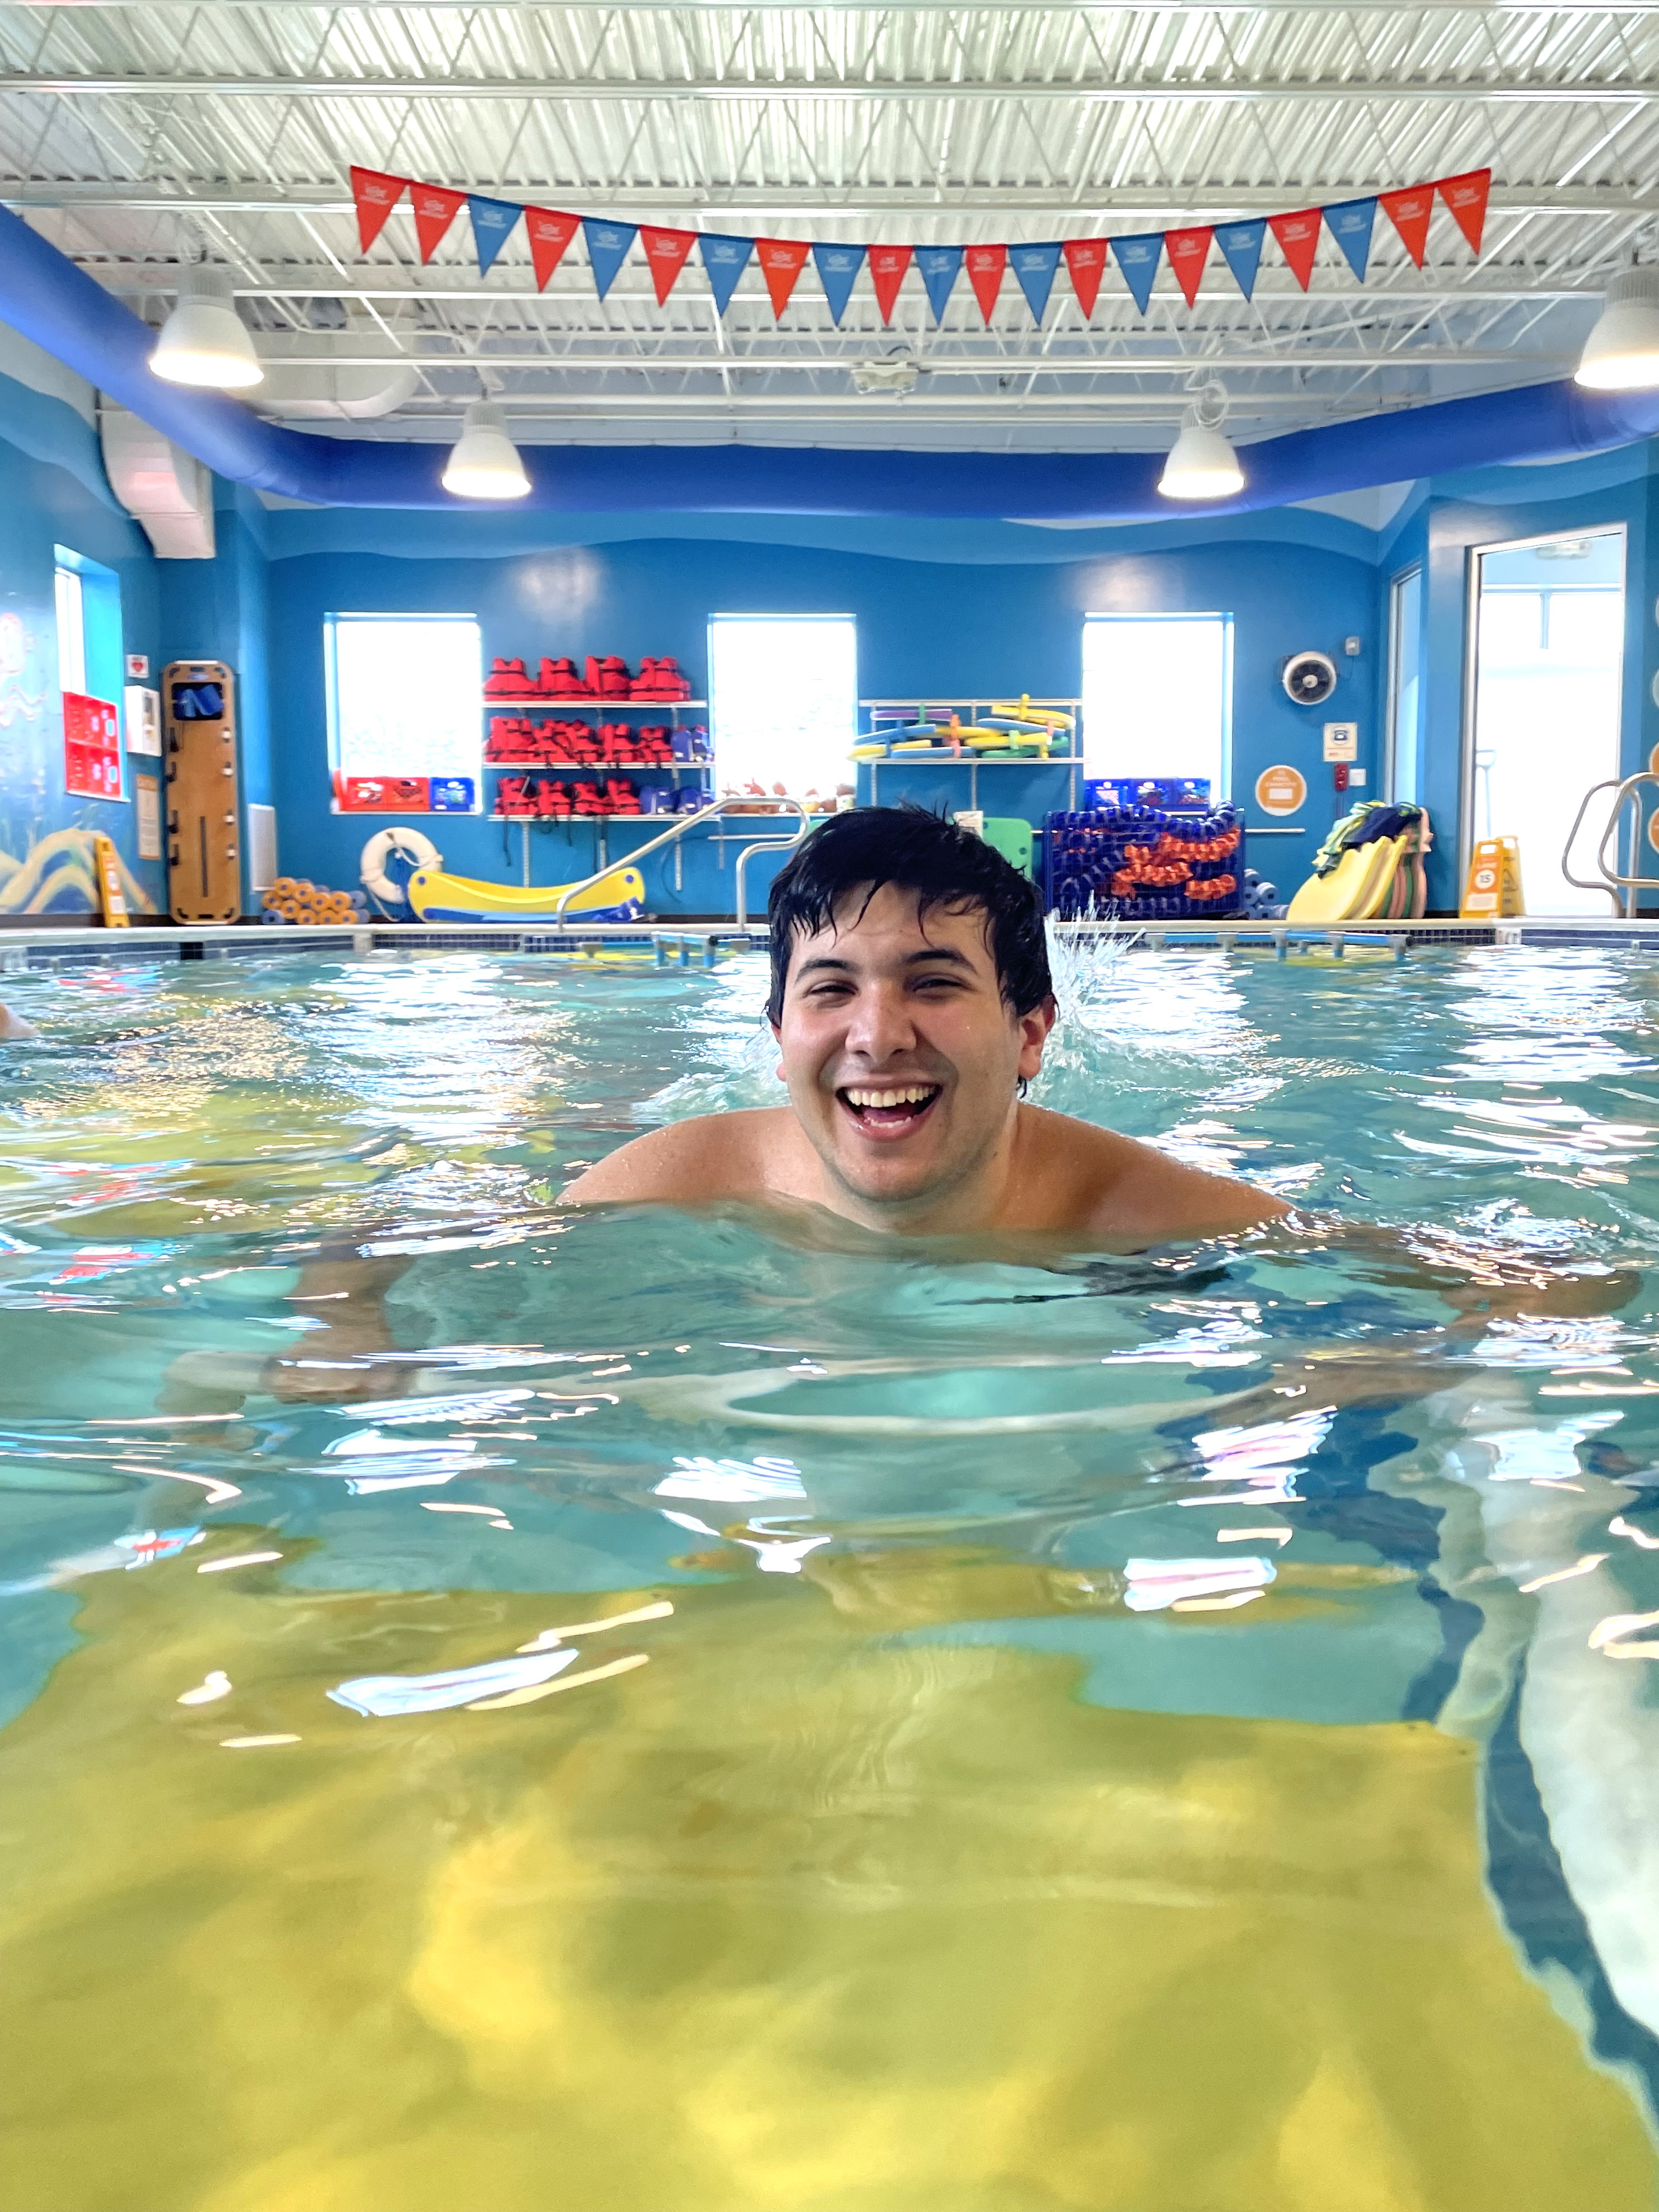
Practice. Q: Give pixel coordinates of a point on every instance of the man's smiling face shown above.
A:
(901, 1053)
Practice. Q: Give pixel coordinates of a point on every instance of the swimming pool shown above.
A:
(1073, 1735)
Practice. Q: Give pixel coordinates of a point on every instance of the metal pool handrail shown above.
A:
(682, 823)
(1609, 880)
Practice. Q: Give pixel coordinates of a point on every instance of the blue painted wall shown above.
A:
(52, 492)
(925, 626)
(996, 608)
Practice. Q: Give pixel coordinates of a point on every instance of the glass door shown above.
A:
(1542, 724)
(1402, 741)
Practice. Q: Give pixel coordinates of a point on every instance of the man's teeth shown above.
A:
(917, 1095)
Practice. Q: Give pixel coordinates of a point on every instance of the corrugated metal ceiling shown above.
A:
(137, 138)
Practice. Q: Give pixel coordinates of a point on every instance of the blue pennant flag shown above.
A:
(941, 266)
(608, 244)
(725, 259)
(1241, 243)
(1137, 258)
(492, 225)
(838, 267)
(1034, 266)
(1350, 224)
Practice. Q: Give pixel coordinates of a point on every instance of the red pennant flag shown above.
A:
(985, 266)
(780, 260)
(435, 208)
(1085, 262)
(1187, 251)
(1466, 195)
(887, 266)
(1409, 212)
(550, 234)
(376, 194)
(1298, 241)
(664, 254)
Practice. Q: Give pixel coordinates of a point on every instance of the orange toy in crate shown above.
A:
(296, 899)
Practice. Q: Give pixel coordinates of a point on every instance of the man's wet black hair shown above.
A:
(920, 852)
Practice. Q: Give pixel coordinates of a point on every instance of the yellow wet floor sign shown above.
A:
(1494, 886)
(111, 897)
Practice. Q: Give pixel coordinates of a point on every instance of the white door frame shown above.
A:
(1476, 553)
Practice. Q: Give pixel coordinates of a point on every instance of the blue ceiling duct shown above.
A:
(45, 296)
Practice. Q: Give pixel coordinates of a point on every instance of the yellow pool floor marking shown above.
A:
(800, 1918)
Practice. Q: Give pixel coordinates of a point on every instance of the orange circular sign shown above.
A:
(1280, 790)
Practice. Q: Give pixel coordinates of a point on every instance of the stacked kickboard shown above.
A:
(1370, 868)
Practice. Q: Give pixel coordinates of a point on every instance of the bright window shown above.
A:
(1157, 697)
(71, 631)
(784, 693)
(405, 694)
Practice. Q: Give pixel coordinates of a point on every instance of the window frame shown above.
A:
(848, 621)
(332, 622)
(1222, 790)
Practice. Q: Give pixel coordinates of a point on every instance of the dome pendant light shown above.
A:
(1621, 354)
(484, 463)
(1202, 464)
(205, 341)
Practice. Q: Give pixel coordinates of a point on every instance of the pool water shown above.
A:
(647, 1713)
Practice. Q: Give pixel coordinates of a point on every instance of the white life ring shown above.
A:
(418, 850)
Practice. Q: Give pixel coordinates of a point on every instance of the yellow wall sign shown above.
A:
(1280, 790)
(1494, 886)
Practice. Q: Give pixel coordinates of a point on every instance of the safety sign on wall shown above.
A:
(1342, 741)
(92, 747)
(1280, 790)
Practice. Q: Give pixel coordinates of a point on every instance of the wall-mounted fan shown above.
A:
(1309, 678)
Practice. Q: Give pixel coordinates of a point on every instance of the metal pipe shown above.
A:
(684, 823)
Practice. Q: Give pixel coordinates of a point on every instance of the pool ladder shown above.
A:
(775, 843)
(1622, 890)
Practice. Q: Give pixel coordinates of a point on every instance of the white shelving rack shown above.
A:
(967, 712)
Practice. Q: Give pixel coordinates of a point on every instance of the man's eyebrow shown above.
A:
(824, 960)
(938, 952)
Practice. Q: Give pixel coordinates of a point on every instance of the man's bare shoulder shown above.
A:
(709, 1158)
(1121, 1187)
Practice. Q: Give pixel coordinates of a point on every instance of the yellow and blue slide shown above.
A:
(435, 897)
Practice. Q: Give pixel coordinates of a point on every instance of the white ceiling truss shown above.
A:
(140, 137)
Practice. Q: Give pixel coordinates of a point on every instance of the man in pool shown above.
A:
(911, 1002)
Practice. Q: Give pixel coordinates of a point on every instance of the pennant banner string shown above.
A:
(727, 255)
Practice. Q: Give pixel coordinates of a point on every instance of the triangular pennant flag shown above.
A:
(1035, 267)
(435, 208)
(887, 266)
(1137, 258)
(1188, 251)
(1298, 240)
(550, 234)
(607, 249)
(1085, 261)
(985, 266)
(375, 194)
(1466, 195)
(1350, 224)
(665, 256)
(1409, 212)
(939, 267)
(1241, 245)
(725, 257)
(492, 222)
(782, 261)
(838, 267)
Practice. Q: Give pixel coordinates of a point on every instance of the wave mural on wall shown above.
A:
(46, 863)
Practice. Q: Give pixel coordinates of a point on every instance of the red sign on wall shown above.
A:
(92, 747)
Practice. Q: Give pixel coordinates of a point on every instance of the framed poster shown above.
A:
(92, 747)
(147, 791)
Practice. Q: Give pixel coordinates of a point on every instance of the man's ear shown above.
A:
(777, 1039)
(1034, 1028)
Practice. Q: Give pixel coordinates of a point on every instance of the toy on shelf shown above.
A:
(1142, 863)
(296, 899)
(994, 729)
(1186, 794)
(659, 680)
(1371, 867)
